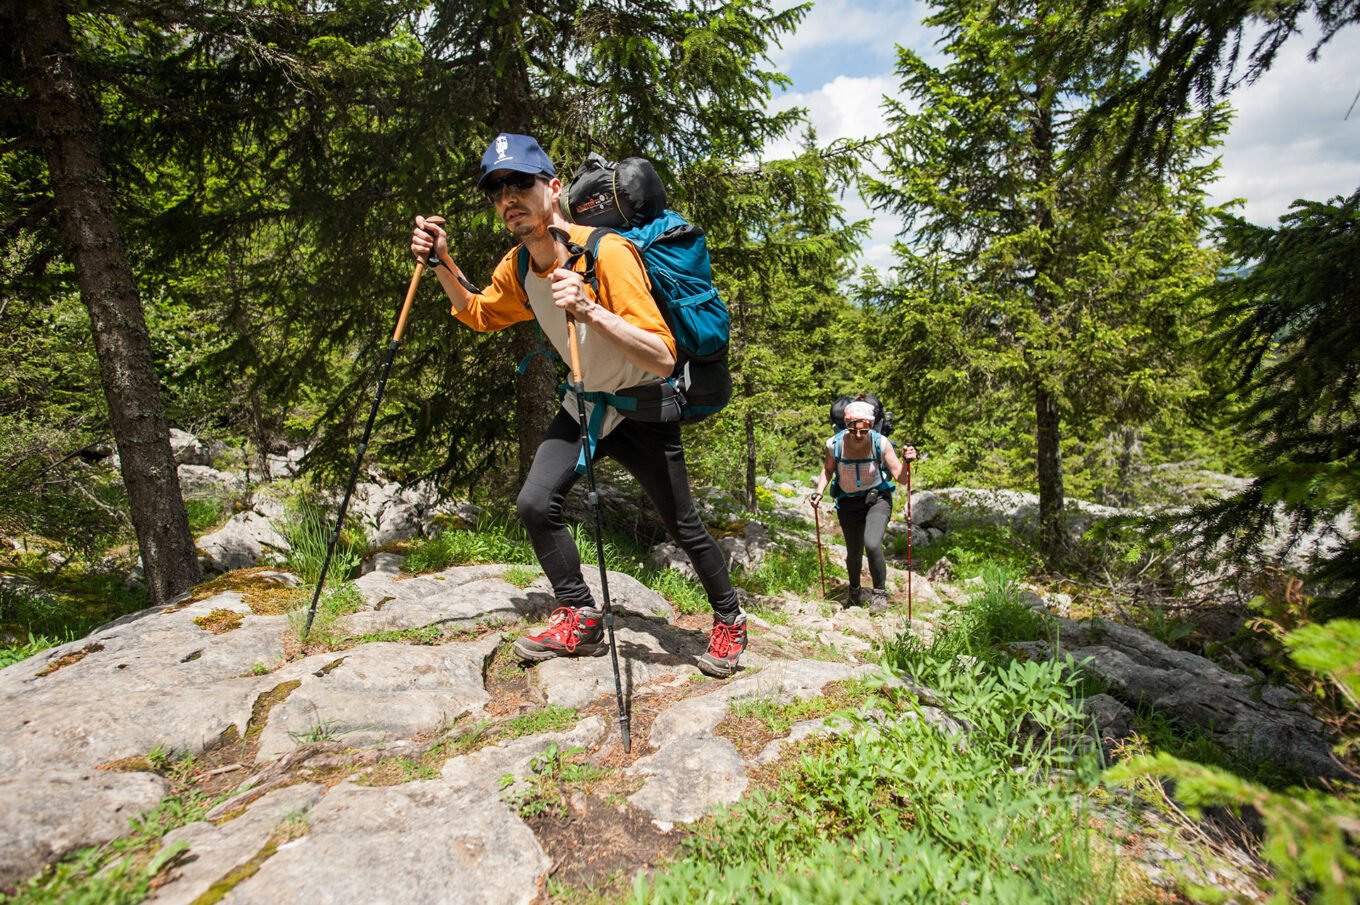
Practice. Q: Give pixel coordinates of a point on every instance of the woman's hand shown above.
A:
(908, 454)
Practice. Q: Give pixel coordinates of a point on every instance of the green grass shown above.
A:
(904, 813)
(973, 549)
(206, 515)
(522, 576)
(548, 719)
(495, 541)
(336, 602)
(18, 651)
(307, 527)
(993, 616)
(787, 569)
(686, 593)
(899, 811)
(120, 872)
(552, 774)
(58, 608)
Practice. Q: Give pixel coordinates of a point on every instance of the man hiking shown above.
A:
(624, 342)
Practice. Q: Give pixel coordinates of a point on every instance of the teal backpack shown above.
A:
(627, 198)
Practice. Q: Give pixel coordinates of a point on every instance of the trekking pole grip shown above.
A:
(432, 261)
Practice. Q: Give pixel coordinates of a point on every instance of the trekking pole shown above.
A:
(579, 388)
(817, 520)
(909, 533)
(433, 261)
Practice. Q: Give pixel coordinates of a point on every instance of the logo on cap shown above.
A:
(502, 143)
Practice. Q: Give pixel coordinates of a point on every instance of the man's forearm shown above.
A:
(456, 286)
(642, 348)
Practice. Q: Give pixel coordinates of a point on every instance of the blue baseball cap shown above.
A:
(520, 153)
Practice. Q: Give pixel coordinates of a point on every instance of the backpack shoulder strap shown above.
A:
(592, 254)
(522, 265)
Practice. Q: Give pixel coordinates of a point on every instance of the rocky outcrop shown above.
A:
(1264, 722)
(76, 770)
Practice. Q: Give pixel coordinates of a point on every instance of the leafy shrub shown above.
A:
(898, 811)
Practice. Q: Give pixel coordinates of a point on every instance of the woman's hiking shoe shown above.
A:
(854, 597)
(725, 645)
(572, 632)
(878, 600)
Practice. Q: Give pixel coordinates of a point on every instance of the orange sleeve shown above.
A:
(502, 303)
(624, 289)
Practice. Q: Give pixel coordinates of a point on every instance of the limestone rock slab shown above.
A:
(377, 692)
(693, 771)
(151, 678)
(49, 813)
(214, 851)
(420, 843)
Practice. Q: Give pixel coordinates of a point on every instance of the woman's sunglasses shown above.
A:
(858, 429)
(518, 182)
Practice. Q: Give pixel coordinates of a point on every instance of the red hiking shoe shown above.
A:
(572, 632)
(725, 646)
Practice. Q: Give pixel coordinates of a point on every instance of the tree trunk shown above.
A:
(1047, 437)
(535, 395)
(750, 424)
(1052, 531)
(67, 120)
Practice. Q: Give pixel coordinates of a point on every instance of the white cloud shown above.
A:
(1290, 138)
(844, 107)
(842, 25)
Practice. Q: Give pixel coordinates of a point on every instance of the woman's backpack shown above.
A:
(883, 421)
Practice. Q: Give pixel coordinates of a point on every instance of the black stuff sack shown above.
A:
(617, 195)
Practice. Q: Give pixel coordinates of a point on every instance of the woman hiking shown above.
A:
(860, 465)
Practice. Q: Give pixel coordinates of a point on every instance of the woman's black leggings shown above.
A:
(864, 527)
(652, 453)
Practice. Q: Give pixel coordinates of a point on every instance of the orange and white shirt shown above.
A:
(623, 290)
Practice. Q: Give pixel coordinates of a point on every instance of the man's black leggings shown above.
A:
(652, 453)
(864, 527)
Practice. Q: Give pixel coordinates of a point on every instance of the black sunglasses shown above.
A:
(519, 182)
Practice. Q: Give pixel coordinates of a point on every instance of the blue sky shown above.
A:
(1290, 138)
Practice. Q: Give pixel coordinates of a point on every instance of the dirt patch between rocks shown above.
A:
(599, 846)
(508, 683)
(750, 732)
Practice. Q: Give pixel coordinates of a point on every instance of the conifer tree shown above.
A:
(1018, 279)
(783, 254)
(65, 116)
(1290, 337)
